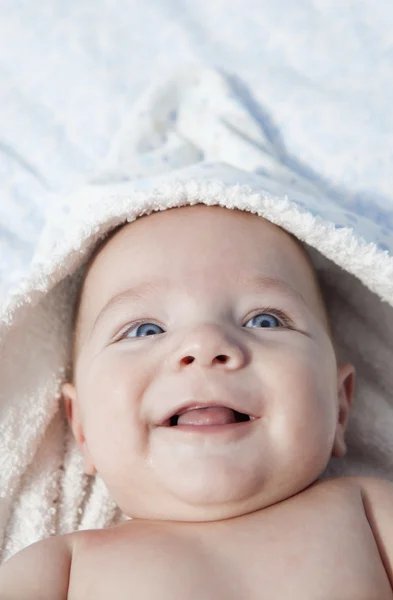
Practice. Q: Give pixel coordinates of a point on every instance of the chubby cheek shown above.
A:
(304, 410)
(111, 391)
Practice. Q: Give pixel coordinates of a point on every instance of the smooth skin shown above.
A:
(217, 514)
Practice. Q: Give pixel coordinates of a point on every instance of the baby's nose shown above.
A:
(209, 346)
(220, 358)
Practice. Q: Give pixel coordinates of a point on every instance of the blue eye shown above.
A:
(263, 320)
(145, 330)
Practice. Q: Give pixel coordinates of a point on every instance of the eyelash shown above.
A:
(276, 312)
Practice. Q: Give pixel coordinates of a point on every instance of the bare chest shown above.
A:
(318, 547)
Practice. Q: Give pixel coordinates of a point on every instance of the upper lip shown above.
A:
(183, 407)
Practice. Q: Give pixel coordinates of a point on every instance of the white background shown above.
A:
(70, 70)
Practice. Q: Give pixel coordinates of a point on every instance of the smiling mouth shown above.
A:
(238, 418)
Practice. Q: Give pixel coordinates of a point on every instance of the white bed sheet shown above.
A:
(320, 74)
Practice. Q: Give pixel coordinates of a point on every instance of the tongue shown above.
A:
(213, 415)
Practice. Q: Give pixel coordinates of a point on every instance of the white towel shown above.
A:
(190, 139)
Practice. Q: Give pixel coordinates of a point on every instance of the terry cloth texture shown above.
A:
(189, 140)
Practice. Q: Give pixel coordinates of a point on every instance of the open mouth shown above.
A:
(238, 418)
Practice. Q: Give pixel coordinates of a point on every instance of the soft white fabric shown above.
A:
(153, 164)
(319, 72)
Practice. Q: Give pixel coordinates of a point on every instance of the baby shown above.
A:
(206, 393)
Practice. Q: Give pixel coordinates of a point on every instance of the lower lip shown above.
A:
(240, 428)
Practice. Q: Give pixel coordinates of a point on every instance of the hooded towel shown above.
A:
(190, 139)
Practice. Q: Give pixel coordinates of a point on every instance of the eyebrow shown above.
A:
(140, 292)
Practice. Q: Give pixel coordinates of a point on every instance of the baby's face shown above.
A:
(201, 279)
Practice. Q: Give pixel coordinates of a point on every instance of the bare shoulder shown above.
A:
(104, 539)
(346, 485)
(366, 486)
(374, 490)
(53, 545)
(377, 496)
(368, 493)
(23, 574)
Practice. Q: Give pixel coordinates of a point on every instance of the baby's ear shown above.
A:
(345, 392)
(68, 391)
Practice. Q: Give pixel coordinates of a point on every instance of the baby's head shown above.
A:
(231, 314)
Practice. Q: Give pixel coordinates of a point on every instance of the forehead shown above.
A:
(192, 245)
(184, 241)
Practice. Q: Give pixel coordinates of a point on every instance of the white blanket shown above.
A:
(320, 74)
